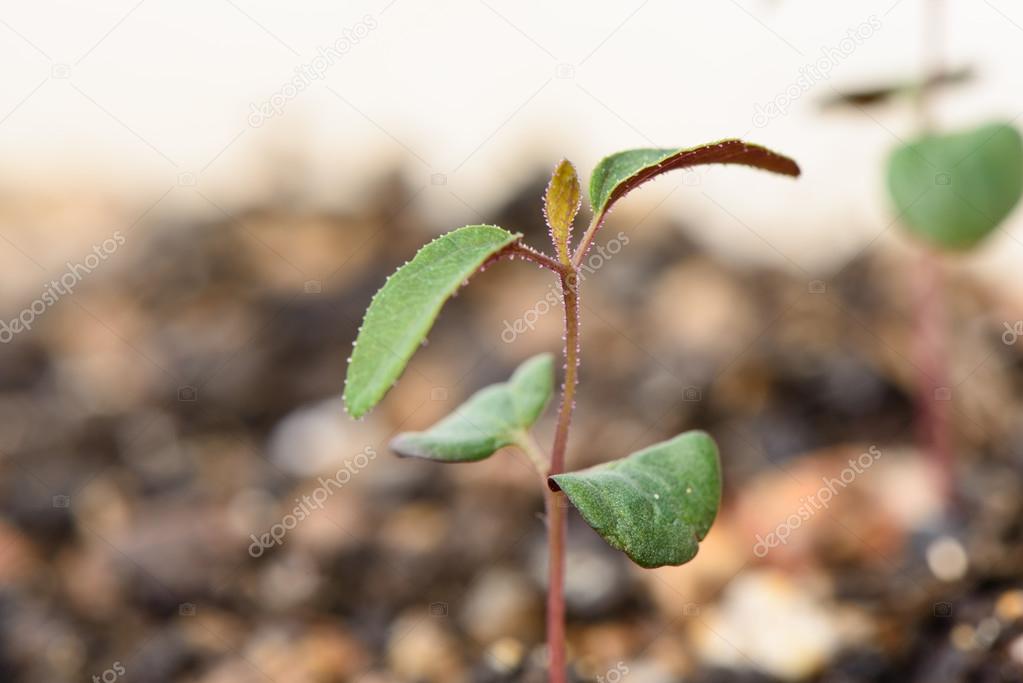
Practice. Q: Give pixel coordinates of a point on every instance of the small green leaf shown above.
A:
(561, 204)
(402, 312)
(655, 505)
(953, 190)
(617, 175)
(492, 418)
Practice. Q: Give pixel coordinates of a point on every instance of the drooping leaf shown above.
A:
(620, 173)
(561, 204)
(954, 189)
(492, 418)
(655, 505)
(403, 311)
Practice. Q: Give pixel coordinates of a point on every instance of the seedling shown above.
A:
(655, 505)
(951, 190)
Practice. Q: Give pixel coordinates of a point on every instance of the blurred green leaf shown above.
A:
(954, 189)
(620, 173)
(402, 312)
(561, 204)
(492, 418)
(655, 505)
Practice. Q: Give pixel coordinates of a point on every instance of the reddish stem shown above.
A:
(556, 519)
(934, 392)
(933, 433)
(530, 254)
(587, 239)
(556, 587)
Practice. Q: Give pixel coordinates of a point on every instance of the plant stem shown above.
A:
(570, 294)
(587, 239)
(556, 518)
(528, 445)
(932, 416)
(555, 587)
(931, 61)
(933, 434)
(530, 254)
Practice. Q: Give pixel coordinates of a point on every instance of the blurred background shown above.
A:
(198, 199)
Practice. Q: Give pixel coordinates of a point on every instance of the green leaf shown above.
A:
(402, 312)
(617, 175)
(655, 505)
(953, 190)
(492, 418)
(561, 204)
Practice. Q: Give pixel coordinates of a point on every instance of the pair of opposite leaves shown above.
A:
(657, 504)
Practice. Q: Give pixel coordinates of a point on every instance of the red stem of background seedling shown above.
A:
(933, 432)
(932, 407)
(556, 519)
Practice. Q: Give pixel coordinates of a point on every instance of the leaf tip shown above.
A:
(402, 446)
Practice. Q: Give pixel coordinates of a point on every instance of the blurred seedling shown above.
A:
(950, 190)
(656, 504)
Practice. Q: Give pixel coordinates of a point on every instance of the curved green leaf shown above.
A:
(953, 190)
(617, 175)
(655, 505)
(403, 311)
(492, 418)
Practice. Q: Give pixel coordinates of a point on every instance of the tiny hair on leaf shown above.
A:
(402, 312)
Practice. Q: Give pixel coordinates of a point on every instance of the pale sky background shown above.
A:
(129, 100)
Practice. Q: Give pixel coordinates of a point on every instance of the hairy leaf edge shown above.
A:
(367, 404)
